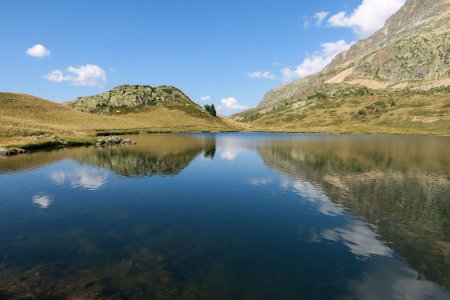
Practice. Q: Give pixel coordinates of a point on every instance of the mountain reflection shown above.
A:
(158, 155)
(161, 154)
(405, 193)
(257, 216)
(356, 236)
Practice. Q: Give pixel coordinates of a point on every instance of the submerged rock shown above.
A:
(113, 140)
(11, 151)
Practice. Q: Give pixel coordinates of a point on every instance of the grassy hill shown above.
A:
(358, 109)
(126, 98)
(25, 119)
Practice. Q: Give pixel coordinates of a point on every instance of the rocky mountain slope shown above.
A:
(410, 53)
(134, 98)
(410, 19)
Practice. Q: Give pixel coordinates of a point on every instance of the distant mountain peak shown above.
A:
(414, 15)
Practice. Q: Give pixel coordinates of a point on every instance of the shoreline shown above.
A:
(56, 142)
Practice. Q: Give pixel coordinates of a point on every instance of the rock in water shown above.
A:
(11, 151)
(113, 140)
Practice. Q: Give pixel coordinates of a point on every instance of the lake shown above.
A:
(229, 216)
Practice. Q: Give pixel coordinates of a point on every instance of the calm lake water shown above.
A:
(229, 216)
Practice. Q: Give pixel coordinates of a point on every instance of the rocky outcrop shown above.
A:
(134, 98)
(113, 140)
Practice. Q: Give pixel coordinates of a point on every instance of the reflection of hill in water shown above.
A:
(398, 185)
(153, 155)
(34, 159)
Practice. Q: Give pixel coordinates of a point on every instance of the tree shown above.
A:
(213, 110)
(210, 109)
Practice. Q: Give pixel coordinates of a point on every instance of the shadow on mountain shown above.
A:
(400, 184)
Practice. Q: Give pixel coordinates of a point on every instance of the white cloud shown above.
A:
(57, 76)
(38, 50)
(205, 98)
(232, 103)
(42, 201)
(368, 17)
(320, 16)
(88, 75)
(316, 62)
(262, 74)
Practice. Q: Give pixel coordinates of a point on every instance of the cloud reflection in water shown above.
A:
(359, 238)
(42, 201)
(356, 235)
(89, 178)
(394, 280)
(259, 181)
(314, 194)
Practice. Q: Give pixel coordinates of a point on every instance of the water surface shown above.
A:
(229, 216)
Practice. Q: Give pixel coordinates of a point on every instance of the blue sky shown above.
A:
(232, 51)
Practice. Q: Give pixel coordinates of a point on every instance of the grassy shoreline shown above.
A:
(40, 143)
(33, 123)
(35, 143)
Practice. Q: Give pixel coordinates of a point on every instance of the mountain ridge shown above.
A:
(407, 59)
(410, 12)
(374, 58)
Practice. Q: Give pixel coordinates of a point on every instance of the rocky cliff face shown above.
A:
(412, 51)
(412, 17)
(134, 98)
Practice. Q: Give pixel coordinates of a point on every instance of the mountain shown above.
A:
(29, 121)
(408, 58)
(134, 98)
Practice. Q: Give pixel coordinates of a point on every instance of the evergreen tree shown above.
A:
(213, 110)
(210, 109)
